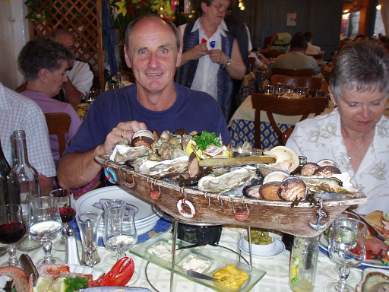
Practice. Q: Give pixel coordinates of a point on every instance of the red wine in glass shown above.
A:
(67, 214)
(12, 232)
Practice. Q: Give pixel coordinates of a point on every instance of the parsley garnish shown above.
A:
(206, 139)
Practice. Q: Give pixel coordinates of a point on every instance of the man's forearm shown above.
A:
(78, 169)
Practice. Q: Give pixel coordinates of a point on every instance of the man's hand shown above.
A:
(123, 131)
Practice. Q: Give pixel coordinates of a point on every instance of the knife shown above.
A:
(198, 275)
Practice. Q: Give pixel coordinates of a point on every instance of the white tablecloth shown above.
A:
(275, 280)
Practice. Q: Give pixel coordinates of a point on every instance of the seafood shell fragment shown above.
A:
(327, 171)
(326, 162)
(227, 181)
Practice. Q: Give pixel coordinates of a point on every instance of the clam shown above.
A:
(325, 162)
(286, 159)
(292, 189)
(327, 171)
(269, 191)
(309, 169)
(275, 176)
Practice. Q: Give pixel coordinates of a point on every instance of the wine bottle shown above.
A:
(23, 179)
(4, 171)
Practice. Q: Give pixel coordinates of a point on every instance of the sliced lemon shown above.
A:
(44, 284)
(59, 285)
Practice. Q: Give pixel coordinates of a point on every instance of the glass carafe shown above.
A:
(303, 263)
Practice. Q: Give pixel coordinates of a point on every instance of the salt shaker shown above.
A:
(303, 263)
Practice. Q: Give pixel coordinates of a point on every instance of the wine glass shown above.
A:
(12, 229)
(120, 231)
(66, 212)
(45, 224)
(346, 248)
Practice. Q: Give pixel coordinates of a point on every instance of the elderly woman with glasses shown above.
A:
(356, 134)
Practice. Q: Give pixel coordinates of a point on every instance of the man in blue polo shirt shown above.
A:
(154, 102)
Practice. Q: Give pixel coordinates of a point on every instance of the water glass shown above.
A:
(346, 248)
(120, 232)
(45, 224)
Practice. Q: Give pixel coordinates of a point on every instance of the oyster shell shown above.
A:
(227, 181)
(322, 184)
(325, 162)
(327, 171)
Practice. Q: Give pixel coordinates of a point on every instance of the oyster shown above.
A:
(163, 168)
(322, 184)
(227, 181)
(123, 153)
(325, 162)
(286, 159)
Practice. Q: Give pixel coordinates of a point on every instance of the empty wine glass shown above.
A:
(120, 231)
(45, 224)
(346, 248)
(12, 229)
(66, 212)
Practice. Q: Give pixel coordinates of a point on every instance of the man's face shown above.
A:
(55, 78)
(216, 11)
(360, 111)
(66, 40)
(153, 55)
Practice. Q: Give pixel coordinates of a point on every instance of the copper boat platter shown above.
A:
(192, 206)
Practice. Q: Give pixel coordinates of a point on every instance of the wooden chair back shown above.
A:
(310, 82)
(271, 54)
(273, 104)
(58, 124)
(293, 72)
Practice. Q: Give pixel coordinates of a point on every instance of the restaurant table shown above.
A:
(276, 268)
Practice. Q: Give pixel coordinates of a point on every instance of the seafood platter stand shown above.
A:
(239, 189)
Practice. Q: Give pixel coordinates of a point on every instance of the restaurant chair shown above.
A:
(273, 104)
(293, 72)
(313, 83)
(317, 56)
(272, 54)
(58, 124)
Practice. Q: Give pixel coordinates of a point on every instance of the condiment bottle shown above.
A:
(23, 180)
(303, 263)
(4, 171)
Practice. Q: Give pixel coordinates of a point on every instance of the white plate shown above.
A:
(279, 247)
(145, 218)
(85, 202)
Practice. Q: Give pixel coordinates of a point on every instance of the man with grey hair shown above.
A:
(155, 102)
(355, 135)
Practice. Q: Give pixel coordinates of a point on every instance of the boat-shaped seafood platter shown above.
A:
(197, 180)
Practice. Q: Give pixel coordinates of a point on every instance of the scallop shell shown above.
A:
(286, 159)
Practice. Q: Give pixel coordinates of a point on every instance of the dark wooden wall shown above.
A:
(321, 17)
